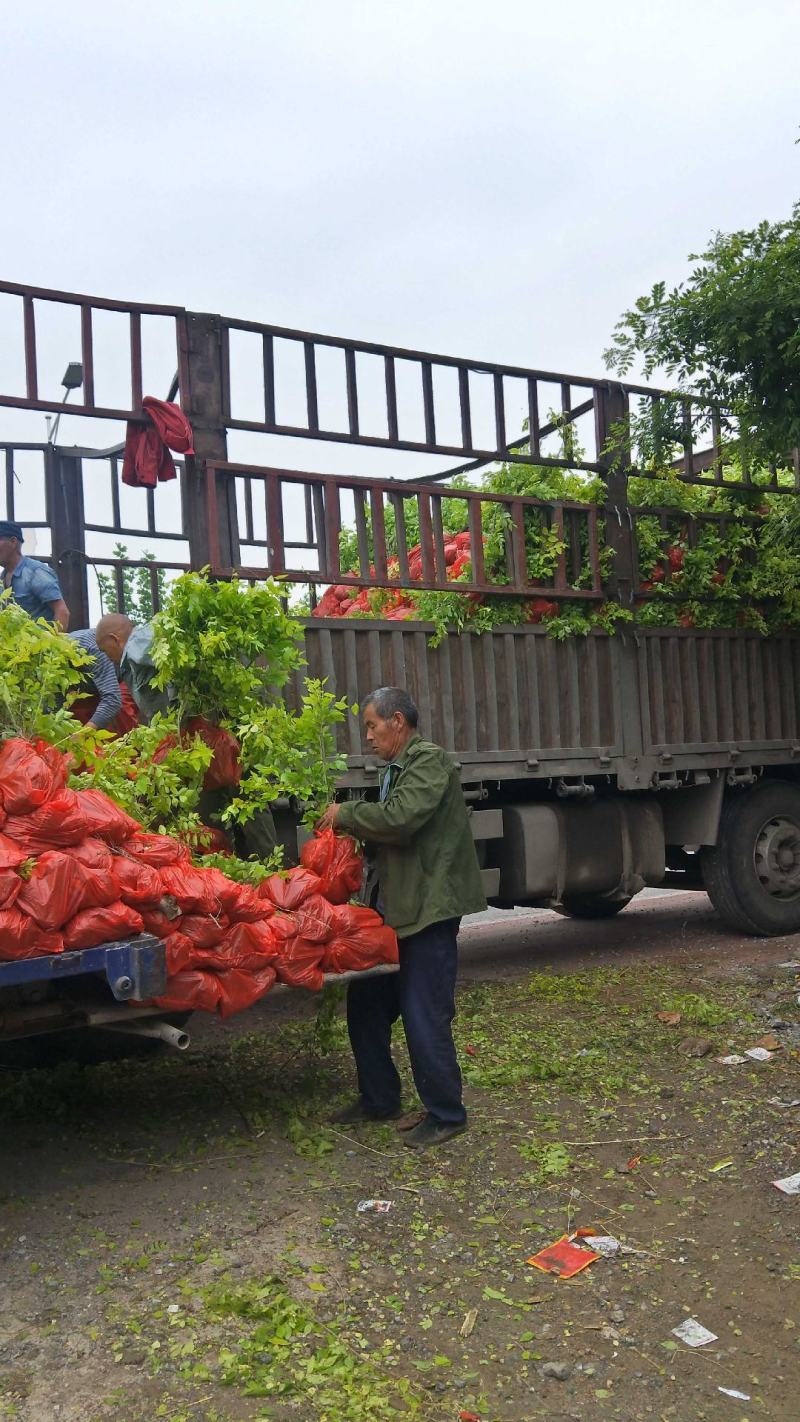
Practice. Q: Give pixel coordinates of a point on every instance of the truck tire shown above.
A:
(752, 873)
(591, 906)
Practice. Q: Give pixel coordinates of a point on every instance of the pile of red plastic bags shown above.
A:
(347, 601)
(76, 871)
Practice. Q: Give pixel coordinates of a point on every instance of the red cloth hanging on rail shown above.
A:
(147, 458)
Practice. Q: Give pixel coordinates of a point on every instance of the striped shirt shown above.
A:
(104, 675)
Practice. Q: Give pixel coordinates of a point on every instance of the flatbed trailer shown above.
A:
(594, 766)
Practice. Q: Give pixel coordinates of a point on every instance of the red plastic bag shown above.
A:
(11, 856)
(136, 884)
(94, 853)
(10, 885)
(21, 937)
(227, 891)
(55, 825)
(249, 908)
(157, 922)
(189, 990)
(248, 945)
(298, 961)
(361, 940)
(59, 887)
(29, 775)
(316, 919)
(181, 953)
(91, 927)
(290, 891)
(239, 990)
(337, 861)
(159, 850)
(225, 769)
(104, 818)
(203, 931)
(211, 840)
(127, 718)
(192, 889)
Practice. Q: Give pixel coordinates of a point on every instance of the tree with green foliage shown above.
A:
(137, 588)
(729, 334)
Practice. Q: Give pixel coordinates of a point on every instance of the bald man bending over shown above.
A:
(129, 648)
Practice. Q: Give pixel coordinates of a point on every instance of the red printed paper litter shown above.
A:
(76, 872)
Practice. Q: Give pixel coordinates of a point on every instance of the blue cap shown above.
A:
(11, 530)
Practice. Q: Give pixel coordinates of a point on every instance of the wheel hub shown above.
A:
(777, 857)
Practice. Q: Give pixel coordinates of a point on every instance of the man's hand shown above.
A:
(328, 819)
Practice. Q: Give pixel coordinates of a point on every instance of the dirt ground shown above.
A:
(180, 1238)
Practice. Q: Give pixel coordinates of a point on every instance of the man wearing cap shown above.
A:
(33, 585)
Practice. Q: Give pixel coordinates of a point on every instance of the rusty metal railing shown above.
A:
(573, 528)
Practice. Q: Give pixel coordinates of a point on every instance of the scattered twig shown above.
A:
(387, 1155)
(626, 1140)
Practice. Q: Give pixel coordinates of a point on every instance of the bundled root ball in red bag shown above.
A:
(361, 940)
(136, 884)
(159, 850)
(21, 936)
(288, 891)
(316, 919)
(10, 886)
(59, 886)
(11, 854)
(297, 962)
(202, 930)
(225, 769)
(335, 859)
(57, 824)
(29, 775)
(91, 927)
(104, 818)
(249, 945)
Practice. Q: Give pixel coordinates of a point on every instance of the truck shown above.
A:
(593, 766)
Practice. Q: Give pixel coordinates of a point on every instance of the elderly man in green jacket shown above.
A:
(425, 876)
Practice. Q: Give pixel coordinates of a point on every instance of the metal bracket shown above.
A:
(135, 968)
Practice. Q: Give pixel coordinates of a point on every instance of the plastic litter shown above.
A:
(374, 1207)
(605, 1245)
(734, 1392)
(720, 1165)
(789, 1185)
(563, 1258)
(694, 1334)
(758, 1054)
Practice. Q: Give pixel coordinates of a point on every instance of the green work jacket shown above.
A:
(421, 841)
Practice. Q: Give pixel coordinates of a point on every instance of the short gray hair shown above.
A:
(388, 700)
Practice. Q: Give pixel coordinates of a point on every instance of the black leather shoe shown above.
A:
(432, 1133)
(359, 1111)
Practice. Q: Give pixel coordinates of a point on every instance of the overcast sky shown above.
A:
(490, 178)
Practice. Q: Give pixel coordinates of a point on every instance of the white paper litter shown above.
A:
(786, 1105)
(373, 1207)
(732, 1061)
(758, 1054)
(693, 1333)
(604, 1244)
(734, 1392)
(789, 1185)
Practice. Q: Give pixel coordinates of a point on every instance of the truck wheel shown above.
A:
(752, 873)
(591, 906)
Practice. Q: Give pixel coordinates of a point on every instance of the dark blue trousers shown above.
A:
(423, 994)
